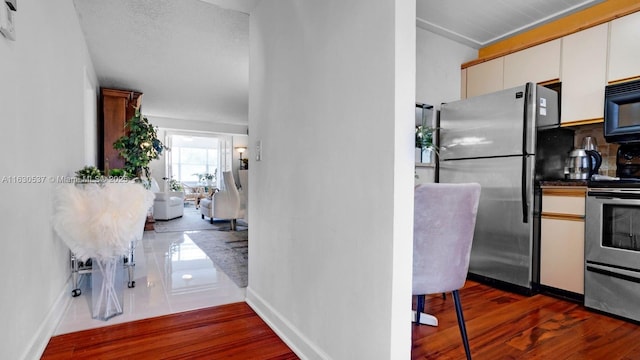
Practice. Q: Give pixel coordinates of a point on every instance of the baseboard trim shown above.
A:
(49, 324)
(299, 344)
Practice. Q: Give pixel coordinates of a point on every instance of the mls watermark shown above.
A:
(60, 179)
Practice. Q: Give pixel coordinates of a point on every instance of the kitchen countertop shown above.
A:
(563, 183)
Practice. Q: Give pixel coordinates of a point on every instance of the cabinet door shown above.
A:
(536, 64)
(485, 78)
(118, 106)
(584, 68)
(624, 47)
(562, 254)
(114, 117)
(463, 84)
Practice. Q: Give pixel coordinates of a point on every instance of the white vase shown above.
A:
(418, 155)
(427, 155)
(107, 287)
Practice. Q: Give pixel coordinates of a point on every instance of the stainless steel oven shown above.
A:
(612, 250)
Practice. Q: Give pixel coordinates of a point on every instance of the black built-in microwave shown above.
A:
(622, 112)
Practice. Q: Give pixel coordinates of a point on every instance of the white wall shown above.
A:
(438, 67)
(42, 124)
(332, 92)
(438, 62)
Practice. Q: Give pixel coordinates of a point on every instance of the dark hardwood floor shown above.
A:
(501, 325)
(231, 331)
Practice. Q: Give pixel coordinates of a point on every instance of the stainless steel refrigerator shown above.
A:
(491, 139)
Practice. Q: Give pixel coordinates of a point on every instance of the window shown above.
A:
(194, 155)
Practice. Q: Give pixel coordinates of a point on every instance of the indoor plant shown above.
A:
(424, 142)
(89, 174)
(207, 178)
(139, 146)
(175, 185)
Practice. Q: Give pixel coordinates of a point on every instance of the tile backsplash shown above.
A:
(607, 150)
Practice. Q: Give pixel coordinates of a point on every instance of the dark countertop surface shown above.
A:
(563, 183)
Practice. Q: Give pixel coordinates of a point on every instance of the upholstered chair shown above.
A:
(444, 223)
(167, 205)
(224, 204)
(243, 178)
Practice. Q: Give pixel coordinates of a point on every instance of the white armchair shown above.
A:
(243, 178)
(224, 204)
(167, 205)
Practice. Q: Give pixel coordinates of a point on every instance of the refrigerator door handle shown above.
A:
(523, 185)
(523, 191)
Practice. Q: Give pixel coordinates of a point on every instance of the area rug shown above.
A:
(228, 250)
(192, 220)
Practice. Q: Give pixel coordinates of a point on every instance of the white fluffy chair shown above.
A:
(224, 204)
(167, 205)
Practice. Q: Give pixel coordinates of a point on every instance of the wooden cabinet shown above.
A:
(584, 63)
(118, 106)
(562, 238)
(463, 84)
(624, 48)
(536, 64)
(485, 78)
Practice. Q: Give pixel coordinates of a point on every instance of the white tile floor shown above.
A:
(172, 275)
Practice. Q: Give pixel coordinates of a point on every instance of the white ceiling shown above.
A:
(478, 23)
(190, 58)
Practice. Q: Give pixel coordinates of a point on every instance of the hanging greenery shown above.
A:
(139, 146)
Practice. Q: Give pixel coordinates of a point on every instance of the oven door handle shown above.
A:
(607, 195)
(623, 274)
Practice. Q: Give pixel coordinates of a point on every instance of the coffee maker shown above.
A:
(628, 161)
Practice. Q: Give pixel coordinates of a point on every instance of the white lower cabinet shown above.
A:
(562, 254)
(562, 239)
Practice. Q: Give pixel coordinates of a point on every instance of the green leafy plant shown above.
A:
(139, 146)
(117, 172)
(89, 173)
(424, 137)
(175, 185)
(204, 177)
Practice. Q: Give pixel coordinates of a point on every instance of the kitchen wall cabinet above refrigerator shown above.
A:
(537, 64)
(584, 61)
(484, 78)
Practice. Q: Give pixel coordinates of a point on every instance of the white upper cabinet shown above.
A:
(485, 78)
(624, 48)
(583, 74)
(463, 84)
(536, 64)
